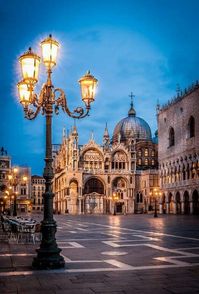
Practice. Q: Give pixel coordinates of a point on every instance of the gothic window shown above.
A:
(146, 161)
(146, 152)
(92, 160)
(153, 153)
(23, 191)
(191, 127)
(183, 173)
(139, 152)
(139, 197)
(153, 162)
(171, 137)
(139, 161)
(119, 160)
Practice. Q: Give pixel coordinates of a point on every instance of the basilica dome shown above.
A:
(131, 127)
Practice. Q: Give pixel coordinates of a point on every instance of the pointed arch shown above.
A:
(191, 127)
(195, 199)
(186, 203)
(171, 137)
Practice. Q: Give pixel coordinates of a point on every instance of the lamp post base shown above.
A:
(48, 255)
(48, 259)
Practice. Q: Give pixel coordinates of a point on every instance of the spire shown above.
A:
(106, 137)
(74, 129)
(92, 136)
(64, 133)
(132, 111)
(106, 134)
(178, 90)
(157, 106)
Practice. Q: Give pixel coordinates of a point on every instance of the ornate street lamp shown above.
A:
(155, 193)
(48, 255)
(14, 180)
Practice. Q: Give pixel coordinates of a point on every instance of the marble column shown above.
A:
(79, 205)
(174, 208)
(191, 207)
(167, 208)
(160, 208)
(182, 207)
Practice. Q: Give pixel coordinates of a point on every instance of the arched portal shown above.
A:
(195, 199)
(119, 186)
(178, 203)
(72, 205)
(186, 203)
(93, 185)
(94, 198)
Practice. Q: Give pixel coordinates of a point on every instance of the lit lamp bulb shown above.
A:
(25, 178)
(30, 66)
(49, 48)
(9, 177)
(15, 170)
(88, 84)
(25, 94)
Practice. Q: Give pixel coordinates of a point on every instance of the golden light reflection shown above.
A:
(115, 221)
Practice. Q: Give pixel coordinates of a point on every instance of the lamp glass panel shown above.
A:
(30, 68)
(88, 88)
(24, 93)
(49, 54)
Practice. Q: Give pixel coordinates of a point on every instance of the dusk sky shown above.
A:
(145, 46)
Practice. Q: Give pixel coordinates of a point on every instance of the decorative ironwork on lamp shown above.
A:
(49, 100)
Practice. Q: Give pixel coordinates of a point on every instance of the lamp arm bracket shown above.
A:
(78, 112)
(30, 113)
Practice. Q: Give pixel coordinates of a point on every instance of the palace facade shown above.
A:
(178, 148)
(115, 177)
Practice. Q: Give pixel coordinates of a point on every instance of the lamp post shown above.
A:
(14, 180)
(155, 193)
(48, 255)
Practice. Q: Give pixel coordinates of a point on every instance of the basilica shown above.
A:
(117, 177)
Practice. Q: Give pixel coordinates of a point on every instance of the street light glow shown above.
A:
(30, 66)
(49, 52)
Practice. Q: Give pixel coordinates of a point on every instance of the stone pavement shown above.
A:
(110, 254)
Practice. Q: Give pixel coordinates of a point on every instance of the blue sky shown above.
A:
(145, 46)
